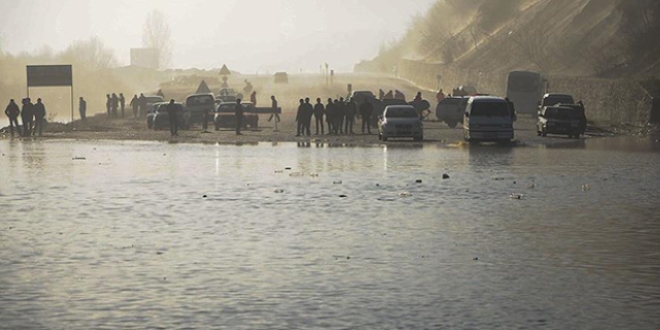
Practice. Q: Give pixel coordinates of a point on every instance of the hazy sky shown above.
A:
(246, 35)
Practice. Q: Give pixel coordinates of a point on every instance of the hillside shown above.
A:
(588, 38)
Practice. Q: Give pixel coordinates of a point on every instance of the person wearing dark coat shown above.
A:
(330, 115)
(366, 110)
(349, 112)
(108, 105)
(142, 102)
(319, 110)
(122, 103)
(27, 114)
(172, 113)
(135, 104)
(339, 115)
(12, 111)
(114, 104)
(300, 118)
(39, 117)
(309, 113)
(82, 108)
(238, 112)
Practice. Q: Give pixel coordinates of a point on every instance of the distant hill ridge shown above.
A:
(588, 38)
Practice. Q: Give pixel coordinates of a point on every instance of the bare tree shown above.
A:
(156, 35)
(90, 54)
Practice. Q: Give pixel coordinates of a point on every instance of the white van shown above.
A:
(487, 118)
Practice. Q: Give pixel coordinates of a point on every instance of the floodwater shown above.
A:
(118, 235)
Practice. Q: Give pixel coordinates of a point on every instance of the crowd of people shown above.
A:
(33, 117)
(338, 114)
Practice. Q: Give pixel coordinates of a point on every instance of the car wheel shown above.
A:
(543, 133)
(452, 124)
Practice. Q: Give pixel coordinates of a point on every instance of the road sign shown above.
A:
(49, 75)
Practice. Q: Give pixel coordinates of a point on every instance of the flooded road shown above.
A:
(155, 235)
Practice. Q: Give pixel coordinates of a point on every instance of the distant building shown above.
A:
(144, 57)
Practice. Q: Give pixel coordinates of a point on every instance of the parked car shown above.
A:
(451, 110)
(225, 115)
(281, 78)
(151, 113)
(400, 121)
(487, 118)
(162, 118)
(151, 100)
(561, 120)
(197, 104)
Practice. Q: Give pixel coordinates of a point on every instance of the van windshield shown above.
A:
(490, 109)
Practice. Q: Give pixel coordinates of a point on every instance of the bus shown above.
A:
(525, 89)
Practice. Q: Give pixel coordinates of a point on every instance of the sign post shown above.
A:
(50, 76)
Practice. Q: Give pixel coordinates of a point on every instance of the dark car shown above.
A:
(162, 118)
(560, 120)
(197, 104)
(151, 100)
(451, 110)
(225, 115)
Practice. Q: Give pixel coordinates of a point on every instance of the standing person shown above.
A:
(309, 113)
(274, 106)
(143, 105)
(135, 104)
(418, 97)
(238, 112)
(253, 98)
(82, 108)
(248, 87)
(440, 96)
(108, 105)
(339, 116)
(319, 110)
(39, 117)
(381, 94)
(330, 115)
(114, 104)
(12, 111)
(172, 116)
(366, 110)
(389, 95)
(350, 117)
(27, 114)
(300, 114)
(122, 103)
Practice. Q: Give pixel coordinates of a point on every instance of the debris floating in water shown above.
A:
(337, 182)
(418, 181)
(77, 158)
(314, 175)
(287, 168)
(296, 174)
(586, 187)
(445, 176)
(204, 196)
(516, 196)
(405, 194)
(279, 171)
(531, 186)
(342, 196)
(279, 191)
